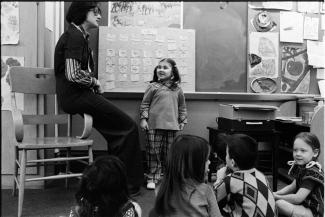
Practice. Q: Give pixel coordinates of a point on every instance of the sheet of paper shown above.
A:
(291, 27)
(308, 6)
(322, 7)
(9, 22)
(109, 85)
(320, 74)
(322, 22)
(316, 53)
(6, 63)
(283, 5)
(311, 27)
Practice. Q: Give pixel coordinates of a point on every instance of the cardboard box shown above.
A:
(247, 111)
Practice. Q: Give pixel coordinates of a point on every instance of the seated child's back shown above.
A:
(245, 191)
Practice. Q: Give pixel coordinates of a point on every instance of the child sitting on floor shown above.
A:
(304, 197)
(103, 191)
(245, 191)
(183, 191)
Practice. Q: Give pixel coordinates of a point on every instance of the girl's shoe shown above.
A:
(151, 185)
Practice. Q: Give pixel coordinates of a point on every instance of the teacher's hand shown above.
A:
(98, 87)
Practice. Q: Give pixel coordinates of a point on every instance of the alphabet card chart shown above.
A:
(127, 56)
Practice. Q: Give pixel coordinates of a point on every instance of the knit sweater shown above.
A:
(315, 199)
(245, 193)
(163, 106)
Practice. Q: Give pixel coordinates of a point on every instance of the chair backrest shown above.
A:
(32, 80)
(41, 82)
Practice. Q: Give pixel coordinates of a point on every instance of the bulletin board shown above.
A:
(127, 56)
(285, 66)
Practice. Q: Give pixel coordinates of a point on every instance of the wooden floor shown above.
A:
(57, 201)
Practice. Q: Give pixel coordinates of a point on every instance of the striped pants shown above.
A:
(158, 143)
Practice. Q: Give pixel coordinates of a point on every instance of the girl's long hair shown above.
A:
(103, 189)
(176, 79)
(185, 165)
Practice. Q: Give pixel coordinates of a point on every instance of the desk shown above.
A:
(215, 140)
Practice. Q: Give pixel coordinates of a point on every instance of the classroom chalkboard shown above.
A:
(221, 37)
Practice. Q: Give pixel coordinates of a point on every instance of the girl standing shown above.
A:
(183, 191)
(305, 195)
(103, 191)
(162, 114)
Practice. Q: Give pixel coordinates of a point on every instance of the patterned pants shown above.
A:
(158, 143)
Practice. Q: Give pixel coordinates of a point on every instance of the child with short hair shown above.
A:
(162, 113)
(183, 191)
(103, 191)
(245, 191)
(304, 197)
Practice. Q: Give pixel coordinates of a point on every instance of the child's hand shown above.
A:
(144, 124)
(276, 196)
(221, 173)
(181, 126)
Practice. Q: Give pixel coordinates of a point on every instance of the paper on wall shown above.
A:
(320, 74)
(291, 27)
(308, 6)
(311, 27)
(6, 63)
(316, 53)
(322, 22)
(9, 22)
(283, 5)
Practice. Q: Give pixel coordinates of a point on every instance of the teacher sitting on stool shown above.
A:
(80, 92)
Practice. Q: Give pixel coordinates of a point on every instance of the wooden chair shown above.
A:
(41, 82)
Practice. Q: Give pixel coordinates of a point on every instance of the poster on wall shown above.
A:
(9, 22)
(295, 72)
(263, 61)
(285, 5)
(6, 63)
(127, 56)
(145, 14)
(291, 27)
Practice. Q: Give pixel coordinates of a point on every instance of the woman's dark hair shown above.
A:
(311, 140)
(103, 189)
(176, 79)
(243, 149)
(186, 161)
(78, 10)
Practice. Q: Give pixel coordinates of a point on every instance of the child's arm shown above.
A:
(144, 107)
(296, 198)
(221, 174)
(182, 111)
(287, 189)
(302, 193)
